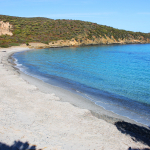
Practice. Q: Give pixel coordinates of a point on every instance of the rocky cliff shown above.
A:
(58, 33)
(87, 42)
(5, 28)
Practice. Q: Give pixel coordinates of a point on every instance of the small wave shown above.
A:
(15, 60)
(78, 91)
(19, 65)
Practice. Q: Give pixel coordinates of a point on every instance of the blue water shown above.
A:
(116, 77)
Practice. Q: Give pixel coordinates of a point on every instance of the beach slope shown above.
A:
(27, 114)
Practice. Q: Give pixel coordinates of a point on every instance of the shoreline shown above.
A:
(78, 101)
(66, 97)
(109, 115)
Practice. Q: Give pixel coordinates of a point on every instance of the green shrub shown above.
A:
(27, 43)
(46, 42)
(43, 29)
(4, 45)
(14, 44)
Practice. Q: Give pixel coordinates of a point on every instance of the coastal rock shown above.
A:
(5, 28)
(87, 42)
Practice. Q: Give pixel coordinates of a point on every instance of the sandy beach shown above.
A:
(51, 118)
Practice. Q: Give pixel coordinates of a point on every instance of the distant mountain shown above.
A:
(17, 30)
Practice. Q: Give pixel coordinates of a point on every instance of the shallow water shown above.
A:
(116, 77)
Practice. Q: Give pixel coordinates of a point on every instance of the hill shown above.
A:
(17, 30)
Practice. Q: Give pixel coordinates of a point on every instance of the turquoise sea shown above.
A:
(116, 77)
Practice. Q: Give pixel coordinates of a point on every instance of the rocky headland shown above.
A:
(45, 33)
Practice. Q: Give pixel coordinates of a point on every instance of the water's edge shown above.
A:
(86, 93)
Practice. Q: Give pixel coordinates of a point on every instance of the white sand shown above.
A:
(30, 115)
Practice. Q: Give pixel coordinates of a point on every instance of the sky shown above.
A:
(131, 15)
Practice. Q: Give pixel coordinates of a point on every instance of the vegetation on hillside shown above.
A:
(45, 30)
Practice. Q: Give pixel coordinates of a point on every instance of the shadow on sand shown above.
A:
(18, 145)
(138, 133)
(138, 149)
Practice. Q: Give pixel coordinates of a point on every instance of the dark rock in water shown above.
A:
(138, 133)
